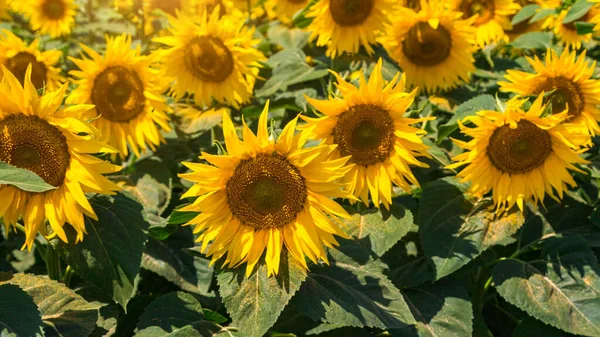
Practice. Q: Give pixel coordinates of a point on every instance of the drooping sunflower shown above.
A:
(214, 58)
(491, 17)
(126, 91)
(40, 136)
(16, 56)
(267, 195)
(519, 156)
(567, 32)
(434, 47)
(52, 17)
(284, 10)
(367, 124)
(569, 81)
(345, 25)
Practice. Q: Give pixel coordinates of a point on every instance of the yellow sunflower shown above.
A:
(127, 93)
(567, 33)
(284, 10)
(52, 17)
(492, 17)
(169, 6)
(434, 47)
(519, 156)
(16, 56)
(569, 79)
(40, 136)
(264, 195)
(4, 7)
(345, 25)
(213, 59)
(367, 124)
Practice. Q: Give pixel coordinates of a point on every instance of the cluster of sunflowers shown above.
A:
(263, 194)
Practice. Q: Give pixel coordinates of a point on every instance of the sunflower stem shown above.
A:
(67, 276)
(483, 282)
(53, 263)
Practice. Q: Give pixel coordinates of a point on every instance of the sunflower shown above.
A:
(52, 17)
(4, 7)
(569, 79)
(127, 93)
(367, 124)
(520, 156)
(434, 47)
(567, 33)
(492, 17)
(38, 135)
(266, 194)
(16, 56)
(284, 10)
(169, 6)
(212, 58)
(345, 25)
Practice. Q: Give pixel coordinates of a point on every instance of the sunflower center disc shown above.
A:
(565, 93)
(54, 9)
(118, 94)
(365, 132)
(484, 8)
(266, 192)
(519, 150)
(167, 6)
(31, 143)
(18, 64)
(350, 12)
(426, 46)
(209, 59)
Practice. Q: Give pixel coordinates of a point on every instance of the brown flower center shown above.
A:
(565, 93)
(31, 143)
(519, 150)
(18, 64)
(167, 6)
(266, 191)
(351, 12)
(208, 58)
(426, 46)
(118, 94)
(365, 132)
(54, 9)
(484, 8)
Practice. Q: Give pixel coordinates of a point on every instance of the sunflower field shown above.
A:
(286, 168)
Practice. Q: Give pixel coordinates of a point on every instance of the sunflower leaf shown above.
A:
(455, 230)
(111, 254)
(22, 179)
(353, 291)
(23, 318)
(525, 13)
(561, 288)
(468, 108)
(256, 302)
(175, 314)
(578, 10)
(63, 312)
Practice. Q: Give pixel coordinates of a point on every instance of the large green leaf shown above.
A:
(288, 38)
(383, 229)
(64, 313)
(578, 10)
(525, 13)
(151, 184)
(172, 260)
(533, 40)
(175, 314)
(111, 252)
(454, 230)
(18, 313)
(560, 290)
(256, 302)
(441, 310)
(468, 108)
(22, 179)
(352, 291)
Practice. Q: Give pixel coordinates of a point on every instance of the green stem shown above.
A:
(53, 263)
(67, 276)
(483, 282)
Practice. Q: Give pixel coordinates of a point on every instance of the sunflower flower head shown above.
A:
(266, 195)
(52, 17)
(567, 32)
(346, 25)
(213, 58)
(367, 124)
(126, 91)
(568, 80)
(38, 135)
(434, 46)
(519, 156)
(284, 10)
